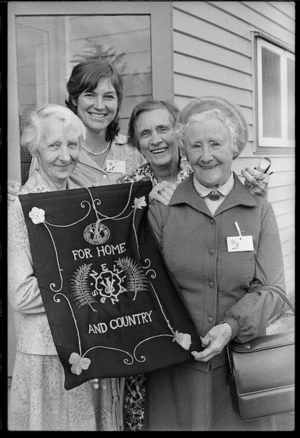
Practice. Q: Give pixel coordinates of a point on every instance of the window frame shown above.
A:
(267, 144)
(161, 38)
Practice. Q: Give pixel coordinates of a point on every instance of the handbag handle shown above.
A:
(288, 302)
(285, 298)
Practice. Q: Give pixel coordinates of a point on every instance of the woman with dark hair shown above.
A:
(85, 77)
(95, 93)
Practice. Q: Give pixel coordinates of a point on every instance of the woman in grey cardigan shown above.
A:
(227, 261)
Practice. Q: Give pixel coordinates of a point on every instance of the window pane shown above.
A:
(291, 98)
(271, 94)
(48, 47)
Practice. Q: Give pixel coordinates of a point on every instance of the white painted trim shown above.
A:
(79, 8)
(266, 141)
(13, 137)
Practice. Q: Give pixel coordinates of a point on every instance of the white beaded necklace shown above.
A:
(97, 153)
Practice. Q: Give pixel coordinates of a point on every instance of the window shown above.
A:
(46, 40)
(276, 95)
(48, 47)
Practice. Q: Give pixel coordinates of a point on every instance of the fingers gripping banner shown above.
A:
(112, 305)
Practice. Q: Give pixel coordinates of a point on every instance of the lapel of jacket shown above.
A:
(239, 195)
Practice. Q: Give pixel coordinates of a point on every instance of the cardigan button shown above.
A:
(211, 284)
(210, 319)
(211, 251)
(212, 221)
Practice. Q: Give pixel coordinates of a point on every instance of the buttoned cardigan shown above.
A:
(217, 285)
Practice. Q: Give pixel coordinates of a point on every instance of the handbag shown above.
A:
(262, 374)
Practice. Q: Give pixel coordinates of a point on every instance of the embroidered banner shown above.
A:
(112, 305)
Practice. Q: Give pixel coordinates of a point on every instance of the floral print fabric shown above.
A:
(145, 173)
(53, 408)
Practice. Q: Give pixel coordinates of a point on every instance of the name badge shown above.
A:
(239, 243)
(118, 166)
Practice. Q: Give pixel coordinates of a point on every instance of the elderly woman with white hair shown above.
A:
(227, 261)
(38, 400)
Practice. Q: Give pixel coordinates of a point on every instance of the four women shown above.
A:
(95, 95)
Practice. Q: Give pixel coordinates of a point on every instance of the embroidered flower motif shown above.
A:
(139, 203)
(37, 215)
(78, 363)
(183, 339)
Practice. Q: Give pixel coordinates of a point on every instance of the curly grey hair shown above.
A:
(221, 108)
(32, 126)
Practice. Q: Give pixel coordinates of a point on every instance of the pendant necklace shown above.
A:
(97, 153)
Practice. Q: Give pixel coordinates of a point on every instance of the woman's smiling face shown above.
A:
(209, 150)
(58, 151)
(156, 137)
(98, 108)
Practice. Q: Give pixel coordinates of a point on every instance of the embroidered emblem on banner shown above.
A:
(96, 233)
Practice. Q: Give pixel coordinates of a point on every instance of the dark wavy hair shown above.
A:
(148, 105)
(85, 77)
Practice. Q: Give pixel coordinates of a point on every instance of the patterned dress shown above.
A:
(134, 391)
(38, 399)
